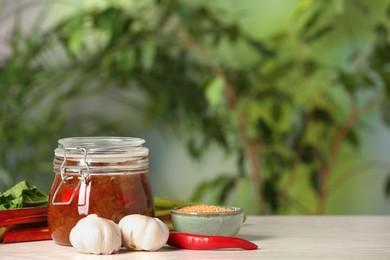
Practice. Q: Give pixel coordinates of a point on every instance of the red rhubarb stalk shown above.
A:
(203, 242)
(23, 215)
(27, 234)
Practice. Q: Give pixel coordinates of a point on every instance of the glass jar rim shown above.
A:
(100, 142)
(101, 146)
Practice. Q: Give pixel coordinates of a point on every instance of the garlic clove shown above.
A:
(96, 235)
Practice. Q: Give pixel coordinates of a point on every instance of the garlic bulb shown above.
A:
(96, 235)
(143, 233)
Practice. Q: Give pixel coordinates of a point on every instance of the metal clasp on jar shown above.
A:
(83, 176)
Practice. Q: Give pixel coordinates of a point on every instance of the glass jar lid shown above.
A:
(83, 157)
(100, 155)
(102, 146)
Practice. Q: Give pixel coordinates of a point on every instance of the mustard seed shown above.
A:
(205, 209)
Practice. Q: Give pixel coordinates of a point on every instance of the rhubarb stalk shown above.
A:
(23, 216)
(27, 234)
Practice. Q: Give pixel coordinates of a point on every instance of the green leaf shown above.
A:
(260, 47)
(322, 115)
(388, 12)
(222, 187)
(219, 189)
(195, 148)
(243, 196)
(215, 92)
(322, 31)
(148, 54)
(200, 191)
(276, 111)
(362, 6)
(270, 193)
(265, 132)
(353, 138)
(233, 32)
(311, 21)
(385, 108)
(107, 18)
(241, 163)
(303, 5)
(308, 153)
(347, 81)
(126, 60)
(315, 180)
(277, 160)
(381, 44)
(339, 6)
(75, 41)
(71, 34)
(310, 67)
(23, 194)
(387, 187)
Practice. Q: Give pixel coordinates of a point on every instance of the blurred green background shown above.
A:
(280, 107)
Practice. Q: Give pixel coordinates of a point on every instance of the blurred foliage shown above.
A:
(285, 113)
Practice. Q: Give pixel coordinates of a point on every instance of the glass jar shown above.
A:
(107, 176)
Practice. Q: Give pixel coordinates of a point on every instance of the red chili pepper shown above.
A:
(203, 242)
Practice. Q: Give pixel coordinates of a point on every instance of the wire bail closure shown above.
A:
(83, 176)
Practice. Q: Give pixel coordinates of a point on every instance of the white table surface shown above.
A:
(301, 237)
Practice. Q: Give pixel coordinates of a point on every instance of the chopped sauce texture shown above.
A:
(108, 196)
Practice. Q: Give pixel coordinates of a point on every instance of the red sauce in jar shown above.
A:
(112, 188)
